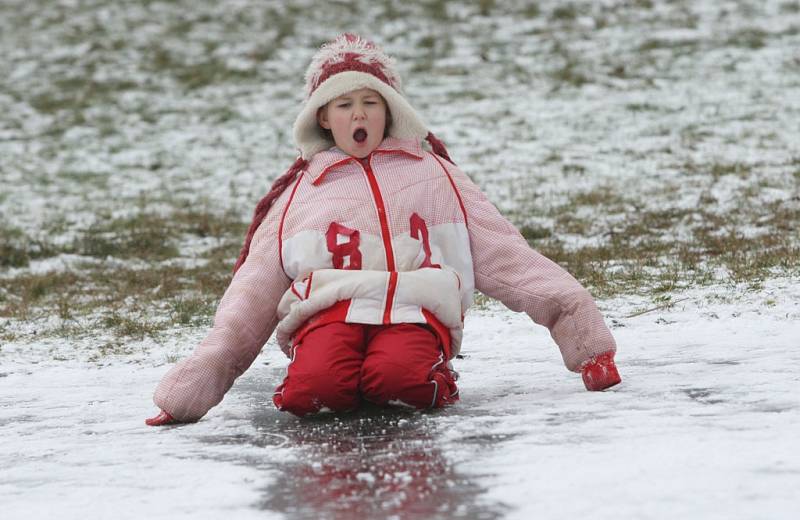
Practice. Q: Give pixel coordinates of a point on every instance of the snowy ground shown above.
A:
(705, 425)
(136, 137)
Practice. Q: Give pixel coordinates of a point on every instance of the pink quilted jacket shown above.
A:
(402, 236)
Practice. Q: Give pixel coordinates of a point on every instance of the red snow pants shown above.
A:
(335, 365)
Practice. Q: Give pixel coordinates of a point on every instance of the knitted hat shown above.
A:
(350, 63)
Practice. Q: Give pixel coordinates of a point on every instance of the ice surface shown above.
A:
(704, 425)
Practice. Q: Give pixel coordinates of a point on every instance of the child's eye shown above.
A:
(343, 105)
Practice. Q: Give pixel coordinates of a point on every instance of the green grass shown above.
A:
(637, 257)
(13, 250)
(565, 12)
(790, 7)
(6, 334)
(78, 93)
(18, 249)
(140, 236)
(570, 73)
(752, 38)
(194, 75)
(191, 311)
(146, 236)
(136, 328)
(642, 107)
(125, 297)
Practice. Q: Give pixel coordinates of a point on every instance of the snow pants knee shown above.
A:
(336, 365)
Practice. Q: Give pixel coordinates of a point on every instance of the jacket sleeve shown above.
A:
(508, 269)
(245, 318)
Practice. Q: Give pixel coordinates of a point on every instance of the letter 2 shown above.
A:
(418, 227)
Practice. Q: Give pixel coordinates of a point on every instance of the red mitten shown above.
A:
(600, 372)
(162, 419)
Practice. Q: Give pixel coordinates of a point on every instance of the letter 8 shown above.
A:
(347, 249)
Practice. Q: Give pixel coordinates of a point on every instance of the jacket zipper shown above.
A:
(385, 235)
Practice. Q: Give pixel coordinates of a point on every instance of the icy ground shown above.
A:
(634, 107)
(704, 425)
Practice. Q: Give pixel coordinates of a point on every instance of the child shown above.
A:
(363, 258)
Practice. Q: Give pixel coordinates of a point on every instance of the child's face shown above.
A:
(357, 121)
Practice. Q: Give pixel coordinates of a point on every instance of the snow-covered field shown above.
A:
(654, 145)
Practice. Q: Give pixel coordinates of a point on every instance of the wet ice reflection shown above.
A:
(372, 463)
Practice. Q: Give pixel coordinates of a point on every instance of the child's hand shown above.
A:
(600, 372)
(162, 419)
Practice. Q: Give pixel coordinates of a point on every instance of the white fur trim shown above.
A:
(310, 138)
(436, 290)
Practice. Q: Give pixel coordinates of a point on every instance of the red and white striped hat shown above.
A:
(350, 63)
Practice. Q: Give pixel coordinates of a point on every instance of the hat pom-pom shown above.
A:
(350, 47)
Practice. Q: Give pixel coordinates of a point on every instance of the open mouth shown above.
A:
(360, 135)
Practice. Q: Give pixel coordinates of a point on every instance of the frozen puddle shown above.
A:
(373, 463)
(74, 442)
(705, 425)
